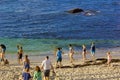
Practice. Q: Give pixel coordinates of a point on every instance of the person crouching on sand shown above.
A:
(2, 51)
(109, 58)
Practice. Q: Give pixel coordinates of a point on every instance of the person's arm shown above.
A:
(41, 66)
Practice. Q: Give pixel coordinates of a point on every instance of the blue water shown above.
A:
(48, 19)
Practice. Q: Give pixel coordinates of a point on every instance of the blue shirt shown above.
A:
(59, 54)
(26, 76)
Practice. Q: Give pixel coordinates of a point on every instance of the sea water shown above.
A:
(42, 25)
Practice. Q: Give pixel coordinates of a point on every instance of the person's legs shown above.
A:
(93, 55)
(2, 57)
(46, 74)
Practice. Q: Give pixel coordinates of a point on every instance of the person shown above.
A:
(20, 54)
(46, 66)
(109, 58)
(26, 62)
(59, 57)
(2, 51)
(71, 52)
(37, 74)
(26, 75)
(84, 52)
(92, 50)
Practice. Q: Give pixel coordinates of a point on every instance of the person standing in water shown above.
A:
(20, 54)
(71, 52)
(92, 50)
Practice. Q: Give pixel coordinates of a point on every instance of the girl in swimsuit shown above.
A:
(71, 52)
(26, 62)
(84, 52)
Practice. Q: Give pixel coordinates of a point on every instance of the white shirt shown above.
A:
(46, 64)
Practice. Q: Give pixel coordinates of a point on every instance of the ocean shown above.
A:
(42, 25)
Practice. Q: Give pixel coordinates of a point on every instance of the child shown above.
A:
(84, 52)
(59, 57)
(20, 54)
(26, 75)
(26, 62)
(37, 74)
(71, 52)
(109, 58)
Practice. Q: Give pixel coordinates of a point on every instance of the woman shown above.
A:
(26, 62)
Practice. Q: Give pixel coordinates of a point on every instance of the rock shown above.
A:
(76, 10)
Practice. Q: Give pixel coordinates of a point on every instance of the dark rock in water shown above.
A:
(76, 10)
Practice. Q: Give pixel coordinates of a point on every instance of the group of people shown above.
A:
(46, 65)
(71, 52)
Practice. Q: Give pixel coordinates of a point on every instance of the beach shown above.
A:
(80, 70)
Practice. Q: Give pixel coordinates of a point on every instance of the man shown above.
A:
(46, 66)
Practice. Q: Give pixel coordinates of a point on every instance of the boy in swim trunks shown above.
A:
(59, 57)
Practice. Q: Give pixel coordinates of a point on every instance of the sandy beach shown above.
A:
(88, 71)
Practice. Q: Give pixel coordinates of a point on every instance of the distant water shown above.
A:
(40, 25)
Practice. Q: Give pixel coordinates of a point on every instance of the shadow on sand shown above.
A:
(98, 61)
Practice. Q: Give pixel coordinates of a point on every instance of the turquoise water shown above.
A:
(38, 46)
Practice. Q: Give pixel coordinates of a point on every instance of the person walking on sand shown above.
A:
(59, 57)
(37, 74)
(20, 54)
(46, 66)
(26, 62)
(109, 58)
(26, 75)
(2, 51)
(71, 52)
(84, 52)
(92, 50)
